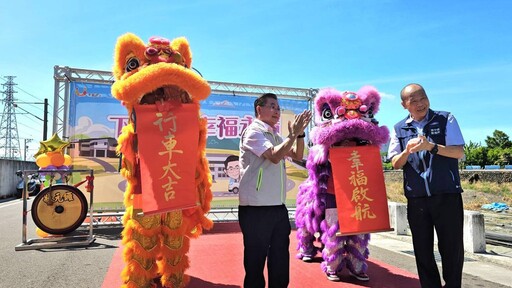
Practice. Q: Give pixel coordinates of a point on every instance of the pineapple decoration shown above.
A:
(51, 157)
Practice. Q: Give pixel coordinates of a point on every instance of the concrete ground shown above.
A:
(87, 266)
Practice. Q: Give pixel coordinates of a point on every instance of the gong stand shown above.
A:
(57, 241)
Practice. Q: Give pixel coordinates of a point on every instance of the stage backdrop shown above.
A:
(96, 119)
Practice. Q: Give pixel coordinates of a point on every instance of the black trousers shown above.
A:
(445, 213)
(266, 232)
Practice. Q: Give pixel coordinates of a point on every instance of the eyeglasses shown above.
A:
(231, 169)
(274, 108)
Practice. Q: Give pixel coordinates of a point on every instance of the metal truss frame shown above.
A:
(63, 75)
(252, 90)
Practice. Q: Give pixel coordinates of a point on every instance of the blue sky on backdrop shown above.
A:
(460, 51)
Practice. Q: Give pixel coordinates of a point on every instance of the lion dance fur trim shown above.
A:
(341, 119)
(156, 246)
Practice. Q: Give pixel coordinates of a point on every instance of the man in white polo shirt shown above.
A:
(262, 213)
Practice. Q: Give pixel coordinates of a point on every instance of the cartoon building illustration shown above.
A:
(94, 147)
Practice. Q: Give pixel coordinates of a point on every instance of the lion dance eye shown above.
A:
(327, 114)
(132, 64)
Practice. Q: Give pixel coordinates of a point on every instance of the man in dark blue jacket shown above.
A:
(427, 145)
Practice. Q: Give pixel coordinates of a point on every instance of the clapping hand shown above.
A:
(417, 144)
(299, 124)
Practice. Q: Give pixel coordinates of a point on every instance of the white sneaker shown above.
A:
(361, 276)
(332, 276)
(307, 258)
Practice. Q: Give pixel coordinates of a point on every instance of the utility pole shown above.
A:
(25, 149)
(45, 120)
(45, 116)
(9, 142)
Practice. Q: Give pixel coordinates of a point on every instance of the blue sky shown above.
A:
(460, 51)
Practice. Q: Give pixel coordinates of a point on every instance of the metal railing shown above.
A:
(224, 214)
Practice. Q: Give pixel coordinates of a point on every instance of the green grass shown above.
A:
(224, 203)
(502, 189)
(484, 193)
(108, 206)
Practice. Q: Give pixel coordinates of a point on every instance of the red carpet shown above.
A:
(216, 261)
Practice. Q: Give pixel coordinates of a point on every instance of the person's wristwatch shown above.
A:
(434, 149)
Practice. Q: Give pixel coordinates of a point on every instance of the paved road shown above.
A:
(70, 267)
(87, 266)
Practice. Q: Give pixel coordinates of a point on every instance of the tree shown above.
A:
(504, 157)
(499, 139)
(470, 147)
(468, 154)
(477, 156)
(507, 156)
(493, 156)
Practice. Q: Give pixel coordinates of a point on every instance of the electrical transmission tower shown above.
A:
(9, 142)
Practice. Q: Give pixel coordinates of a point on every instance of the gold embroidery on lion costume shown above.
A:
(156, 246)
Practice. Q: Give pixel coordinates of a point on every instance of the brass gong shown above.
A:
(59, 209)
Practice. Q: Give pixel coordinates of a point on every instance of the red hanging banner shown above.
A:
(360, 190)
(168, 137)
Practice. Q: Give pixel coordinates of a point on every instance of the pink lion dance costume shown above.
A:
(342, 119)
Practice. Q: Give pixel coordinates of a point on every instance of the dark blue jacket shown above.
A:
(426, 174)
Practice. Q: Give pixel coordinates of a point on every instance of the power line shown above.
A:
(25, 118)
(27, 126)
(35, 97)
(27, 112)
(31, 95)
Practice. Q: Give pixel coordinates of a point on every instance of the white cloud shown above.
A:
(87, 127)
(387, 96)
(224, 103)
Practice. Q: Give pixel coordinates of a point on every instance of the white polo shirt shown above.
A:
(262, 183)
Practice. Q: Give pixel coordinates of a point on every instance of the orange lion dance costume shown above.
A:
(156, 245)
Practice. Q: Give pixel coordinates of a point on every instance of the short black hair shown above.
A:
(262, 101)
(230, 158)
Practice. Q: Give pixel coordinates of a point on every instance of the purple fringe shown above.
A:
(311, 197)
